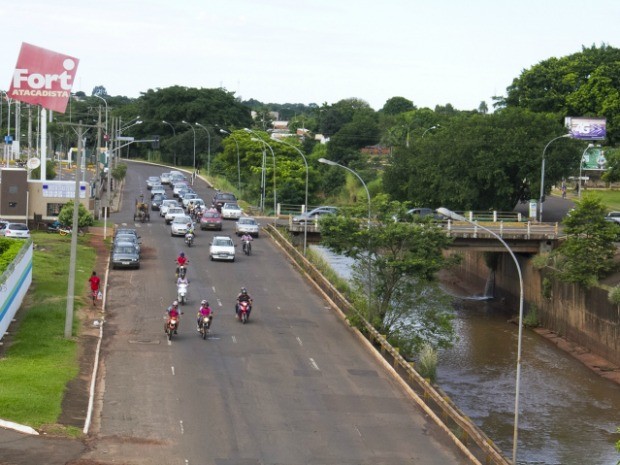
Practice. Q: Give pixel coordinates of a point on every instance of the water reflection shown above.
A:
(568, 415)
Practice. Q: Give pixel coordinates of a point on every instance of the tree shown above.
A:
(100, 91)
(404, 259)
(588, 251)
(483, 108)
(396, 105)
(65, 216)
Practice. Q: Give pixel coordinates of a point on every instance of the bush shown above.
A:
(85, 218)
(531, 320)
(614, 295)
(427, 366)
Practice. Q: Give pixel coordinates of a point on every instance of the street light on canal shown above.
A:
(333, 163)
(542, 177)
(306, 199)
(455, 216)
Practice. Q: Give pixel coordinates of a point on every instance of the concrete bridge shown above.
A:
(521, 237)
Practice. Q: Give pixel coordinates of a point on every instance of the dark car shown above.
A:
(211, 219)
(220, 198)
(157, 200)
(125, 255)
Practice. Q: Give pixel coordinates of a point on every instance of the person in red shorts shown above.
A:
(94, 286)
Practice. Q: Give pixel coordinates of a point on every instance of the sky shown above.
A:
(432, 52)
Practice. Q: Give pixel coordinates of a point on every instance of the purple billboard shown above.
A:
(587, 128)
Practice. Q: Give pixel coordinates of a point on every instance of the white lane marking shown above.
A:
(213, 289)
(299, 341)
(169, 342)
(314, 365)
(278, 308)
(234, 339)
(181, 424)
(219, 302)
(172, 368)
(358, 431)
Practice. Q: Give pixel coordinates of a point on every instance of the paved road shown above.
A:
(293, 386)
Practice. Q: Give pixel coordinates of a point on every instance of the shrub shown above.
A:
(427, 366)
(614, 295)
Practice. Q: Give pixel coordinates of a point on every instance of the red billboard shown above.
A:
(43, 77)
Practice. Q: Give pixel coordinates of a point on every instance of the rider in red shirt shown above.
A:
(182, 261)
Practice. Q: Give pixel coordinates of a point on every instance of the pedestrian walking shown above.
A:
(94, 286)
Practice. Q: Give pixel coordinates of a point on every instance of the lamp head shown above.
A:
(450, 214)
(327, 162)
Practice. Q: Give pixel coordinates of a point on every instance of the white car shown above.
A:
(172, 213)
(17, 230)
(248, 225)
(152, 181)
(222, 248)
(165, 205)
(164, 178)
(158, 189)
(188, 197)
(180, 225)
(231, 211)
(177, 186)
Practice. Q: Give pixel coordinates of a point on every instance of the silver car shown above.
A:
(247, 225)
(180, 225)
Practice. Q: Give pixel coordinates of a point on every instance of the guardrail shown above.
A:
(527, 230)
(467, 436)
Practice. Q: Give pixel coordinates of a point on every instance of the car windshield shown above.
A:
(210, 215)
(247, 221)
(125, 250)
(175, 210)
(222, 242)
(182, 219)
(17, 227)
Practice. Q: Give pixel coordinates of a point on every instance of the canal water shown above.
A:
(568, 415)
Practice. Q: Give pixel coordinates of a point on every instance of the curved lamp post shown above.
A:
(455, 216)
(262, 178)
(194, 131)
(429, 129)
(238, 160)
(306, 198)
(174, 134)
(273, 155)
(581, 166)
(208, 150)
(333, 163)
(542, 177)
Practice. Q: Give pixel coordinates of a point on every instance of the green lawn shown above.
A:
(39, 361)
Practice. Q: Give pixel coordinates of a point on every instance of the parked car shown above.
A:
(172, 213)
(128, 237)
(157, 200)
(131, 231)
(222, 248)
(211, 219)
(180, 225)
(314, 214)
(613, 217)
(163, 208)
(220, 198)
(125, 255)
(248, 225)
(16, 230)
(231, 211)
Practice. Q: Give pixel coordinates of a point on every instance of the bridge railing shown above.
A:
(493, 216)
(465, 434)
(527, 230)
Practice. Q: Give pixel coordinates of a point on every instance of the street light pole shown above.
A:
(238, 159)
(174, 134)
(263, 177)
(455, 216)
(306, 198)
(333, 163)
(208, 149)
(429, 129)
(580, 167)
(542, 177)
(273, 156)
(194, 131)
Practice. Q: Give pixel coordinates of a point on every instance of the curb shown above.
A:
(17, 427)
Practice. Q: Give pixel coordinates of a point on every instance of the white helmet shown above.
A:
(204, 302)
(175, 303)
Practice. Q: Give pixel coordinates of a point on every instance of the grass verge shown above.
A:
(39, 362)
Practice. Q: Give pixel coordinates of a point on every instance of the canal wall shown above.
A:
(583, 316)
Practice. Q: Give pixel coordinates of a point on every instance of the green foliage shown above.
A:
(9, 248)
(531, 320)
(396, 105)
(50, 170)
(404, 260)
(479, 162)
(427, 365)
(547, 287)
(587, 253)
(614, 295)
(85, 218)
(119, 172)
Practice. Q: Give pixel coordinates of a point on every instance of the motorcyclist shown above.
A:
(173, 312)
(182, 261)
(203, 311)
(190, 233)
(243, 297)
(182, 280)
(246, 238)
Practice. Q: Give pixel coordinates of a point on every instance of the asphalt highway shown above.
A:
(293, 386)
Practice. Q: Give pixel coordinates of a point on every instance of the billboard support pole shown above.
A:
(43, 120)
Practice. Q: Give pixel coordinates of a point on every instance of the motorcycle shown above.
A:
(247, 247)
(189, 239)
(205, 325)
(181, 271)
(54, 227)
(182, 293)
(171, 326)
(243, 313)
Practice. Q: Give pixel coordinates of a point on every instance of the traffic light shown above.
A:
(155, 143)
